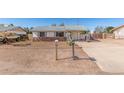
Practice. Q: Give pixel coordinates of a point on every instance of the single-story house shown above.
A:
(118, 32)
(57, 32)
(12, 29)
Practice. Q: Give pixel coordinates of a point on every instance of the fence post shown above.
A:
(113, 36)
(103, 35)
(56, 49)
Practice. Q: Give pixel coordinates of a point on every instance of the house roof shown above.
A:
(5, 27)
(58, 28)
(117, 28)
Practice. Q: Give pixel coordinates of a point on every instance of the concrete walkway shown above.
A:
(109, 57)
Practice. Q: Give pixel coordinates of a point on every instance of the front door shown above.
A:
(59, 34)
(42, 34)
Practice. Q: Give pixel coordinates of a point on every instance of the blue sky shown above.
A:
(89, 23)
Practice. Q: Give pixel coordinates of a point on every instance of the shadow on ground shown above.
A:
(78, 58)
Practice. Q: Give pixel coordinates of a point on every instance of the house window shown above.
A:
(59, 34)
(42, 34)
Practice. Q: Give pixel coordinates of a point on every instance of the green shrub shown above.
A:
(70, 43)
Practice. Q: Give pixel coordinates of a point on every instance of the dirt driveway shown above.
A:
(109, 54)
(39, 58)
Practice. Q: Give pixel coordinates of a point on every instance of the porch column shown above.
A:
(54, 34)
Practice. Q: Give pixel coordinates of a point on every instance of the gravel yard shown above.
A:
(39, 58)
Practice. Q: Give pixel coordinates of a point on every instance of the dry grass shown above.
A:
(39, 58)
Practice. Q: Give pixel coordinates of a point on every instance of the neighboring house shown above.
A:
(118, 32)
(12, 29)
(57, 32)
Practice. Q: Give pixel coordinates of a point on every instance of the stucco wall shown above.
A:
(75, 35)
(47, 34)
(119, 33)
(35, 34)
(50, 34)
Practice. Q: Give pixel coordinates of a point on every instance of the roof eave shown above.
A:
(56, 31)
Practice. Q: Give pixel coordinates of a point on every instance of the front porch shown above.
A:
(49, 38)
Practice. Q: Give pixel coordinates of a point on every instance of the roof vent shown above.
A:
(53, 25)
(62, 24)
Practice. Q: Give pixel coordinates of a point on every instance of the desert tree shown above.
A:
(108, 29)
(99, 29)
(27, 29)
(85, 32)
